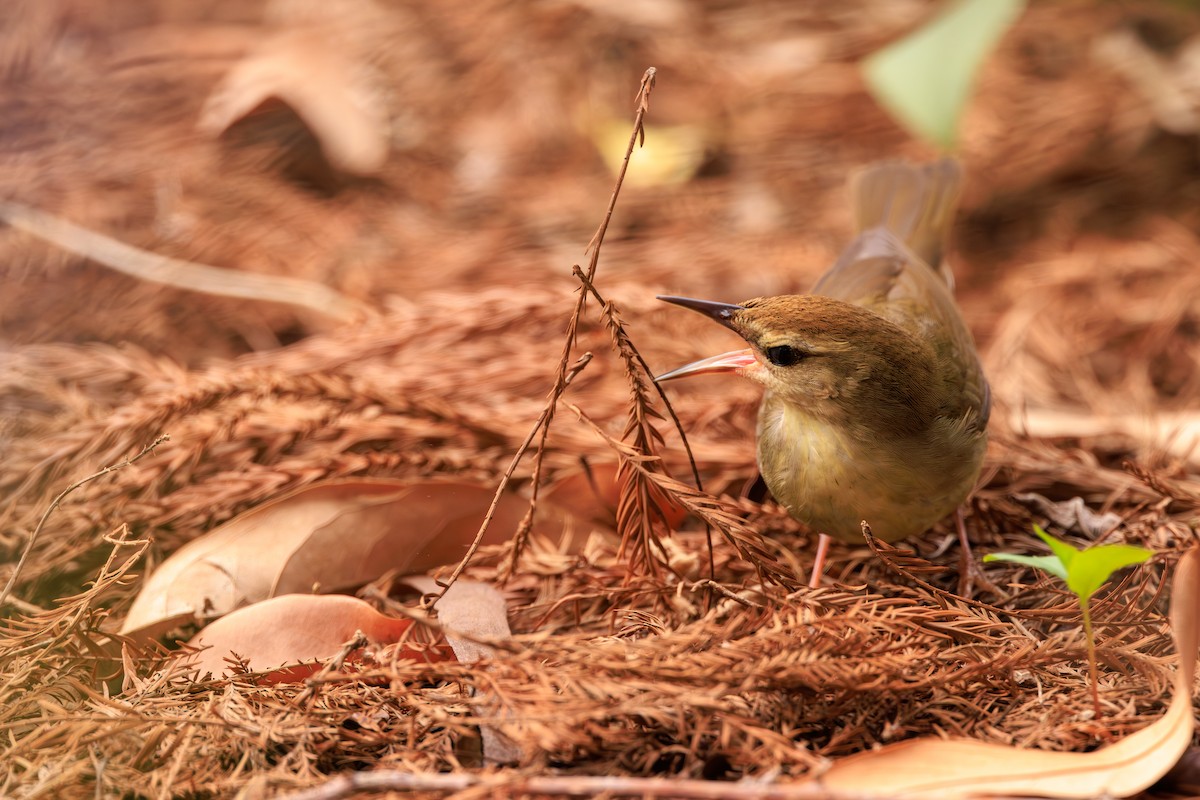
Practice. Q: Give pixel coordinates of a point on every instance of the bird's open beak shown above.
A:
(726, 362)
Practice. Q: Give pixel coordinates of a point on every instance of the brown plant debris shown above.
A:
(689, 655)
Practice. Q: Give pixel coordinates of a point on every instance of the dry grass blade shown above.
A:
(182, 274)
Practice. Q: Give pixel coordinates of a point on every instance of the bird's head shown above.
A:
(836, 361)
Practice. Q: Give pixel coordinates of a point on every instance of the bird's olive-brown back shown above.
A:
(880, 412)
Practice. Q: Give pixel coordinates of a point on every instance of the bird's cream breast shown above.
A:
(833, 478)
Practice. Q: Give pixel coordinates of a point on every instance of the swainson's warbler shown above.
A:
(876, 405)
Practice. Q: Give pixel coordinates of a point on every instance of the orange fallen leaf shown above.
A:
(290, 635)
(938, 768)
(336, 535)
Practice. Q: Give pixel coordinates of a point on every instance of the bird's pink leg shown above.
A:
(818, 568)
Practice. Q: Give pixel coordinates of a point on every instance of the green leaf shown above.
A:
(1084, 571)
(1051, 564)
(925, 79)
(1065, 552)
(1092, 567)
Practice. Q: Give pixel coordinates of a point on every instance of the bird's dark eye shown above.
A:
(784, 355)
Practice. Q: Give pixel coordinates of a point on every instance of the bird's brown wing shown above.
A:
(899, 210)
(915, 203)
(904, 213)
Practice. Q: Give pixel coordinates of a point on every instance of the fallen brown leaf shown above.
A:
(474, 613)
(475, 610)
(290, 634)
(334, 536)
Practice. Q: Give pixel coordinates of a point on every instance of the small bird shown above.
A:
(876, 405)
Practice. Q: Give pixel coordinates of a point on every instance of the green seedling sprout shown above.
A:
(1084, 571)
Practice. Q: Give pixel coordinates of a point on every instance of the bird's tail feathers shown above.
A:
(914, 203)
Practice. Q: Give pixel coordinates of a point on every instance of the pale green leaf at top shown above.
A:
(1065, 552)
(925, 79)
(1092, 567)
(1051, 564)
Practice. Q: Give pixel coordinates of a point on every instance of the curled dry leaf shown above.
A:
(336, 535)
(1073, 514)
(957, 768)
(336, 94)
(473, 613)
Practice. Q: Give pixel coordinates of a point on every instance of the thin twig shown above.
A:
(351, 783)
(709, 583)
(178, 273)
(621, 337)
(637, 135)
(563, 374)
(542, 420)
(12, 578)
(593, 249)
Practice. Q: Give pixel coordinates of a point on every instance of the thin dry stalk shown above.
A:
(593, 248)
(350, 784)
(748, 541)
(637, 507)
(33, 537)
(541, 424)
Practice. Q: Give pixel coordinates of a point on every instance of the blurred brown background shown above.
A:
(476, 137)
